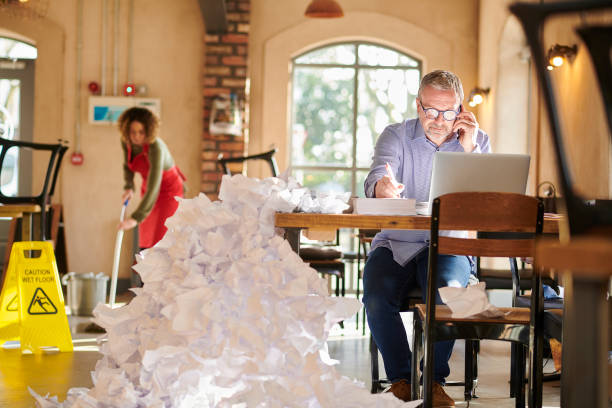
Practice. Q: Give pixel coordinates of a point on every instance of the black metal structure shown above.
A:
(214, 15)
(583, 380)
(43, 199)
(583, 215)
(267, 157)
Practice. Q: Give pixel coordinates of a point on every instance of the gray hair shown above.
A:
(442, 80)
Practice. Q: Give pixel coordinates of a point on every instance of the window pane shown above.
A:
(16, 49)
(324, 180)
(375, 55)
(10, 173)
(335, 54)
(322, 116)
(385, 96)
(360, 179)
(10, 92)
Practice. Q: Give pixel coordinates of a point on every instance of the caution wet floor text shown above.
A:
(31, 303)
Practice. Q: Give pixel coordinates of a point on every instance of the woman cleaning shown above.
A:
(148, 155)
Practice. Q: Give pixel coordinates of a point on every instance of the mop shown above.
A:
(92, 327)
(118, 240)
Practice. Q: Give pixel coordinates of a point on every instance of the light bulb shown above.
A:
(549, 67)
(472, 104)
(557, 61)
(477, 99)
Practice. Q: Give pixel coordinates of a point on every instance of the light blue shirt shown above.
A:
(410, 154)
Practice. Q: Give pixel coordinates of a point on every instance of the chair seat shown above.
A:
(314, 253)
(411, 299)
(525, 301)
(513, 315)
(553, 323)
(502, 278)
(333, 267)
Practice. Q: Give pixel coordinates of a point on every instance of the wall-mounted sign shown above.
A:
(105, 110)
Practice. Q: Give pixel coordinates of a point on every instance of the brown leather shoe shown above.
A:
(401, 390)
(440, 398)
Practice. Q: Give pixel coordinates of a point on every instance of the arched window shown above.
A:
(343, 96)
(14, 49)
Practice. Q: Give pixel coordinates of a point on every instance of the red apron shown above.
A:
(152, 228)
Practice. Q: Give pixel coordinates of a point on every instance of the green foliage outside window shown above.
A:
(339, 107)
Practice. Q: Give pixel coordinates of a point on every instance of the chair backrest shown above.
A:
(266, 156)
(506, 225)
(43, 198)
(514, 218)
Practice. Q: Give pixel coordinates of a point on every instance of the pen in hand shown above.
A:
(389, 187)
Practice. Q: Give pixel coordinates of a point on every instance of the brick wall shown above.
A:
(225, 72)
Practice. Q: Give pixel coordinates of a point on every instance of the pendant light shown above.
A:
(323, 9)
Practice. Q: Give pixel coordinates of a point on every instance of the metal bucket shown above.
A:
(84, 291)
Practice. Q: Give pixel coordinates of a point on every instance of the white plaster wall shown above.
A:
(512, 92)
(443, 34)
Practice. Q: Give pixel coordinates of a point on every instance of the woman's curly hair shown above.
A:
(142, 115)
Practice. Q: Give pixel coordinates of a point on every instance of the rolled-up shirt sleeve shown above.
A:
(482, 143)
(387, 150)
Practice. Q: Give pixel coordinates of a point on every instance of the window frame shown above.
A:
(356, 66)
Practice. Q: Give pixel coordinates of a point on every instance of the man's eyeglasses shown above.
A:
(449, 115)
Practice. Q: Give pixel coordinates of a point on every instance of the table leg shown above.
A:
(26, 227)
(293, 236)
(584, 382)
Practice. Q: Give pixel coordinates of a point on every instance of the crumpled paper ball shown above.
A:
(470, 301)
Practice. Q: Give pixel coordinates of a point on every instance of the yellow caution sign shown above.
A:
(9, 307)
(42, 317)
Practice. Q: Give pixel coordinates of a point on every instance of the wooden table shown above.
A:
(586, 264)
(23, 211)
(295, 222)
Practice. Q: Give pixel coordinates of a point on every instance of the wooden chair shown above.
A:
(519, 280)
(490, 213)
(378, 384)
(43, 198)
(327, 260)
(413, 298)
(268, 157)
(364, 238)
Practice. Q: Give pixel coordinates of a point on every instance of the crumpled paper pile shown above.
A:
(228, 316)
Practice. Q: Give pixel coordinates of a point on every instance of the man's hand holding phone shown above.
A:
(466, 127)
(388, 186)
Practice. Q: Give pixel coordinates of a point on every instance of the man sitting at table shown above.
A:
(397, 262)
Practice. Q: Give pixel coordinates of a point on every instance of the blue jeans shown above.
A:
(385, 284)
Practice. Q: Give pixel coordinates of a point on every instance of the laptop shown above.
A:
(454, 172)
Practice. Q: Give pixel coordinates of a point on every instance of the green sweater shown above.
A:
(160, 160)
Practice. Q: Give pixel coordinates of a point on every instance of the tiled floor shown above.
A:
(57, 372)
(493, 386)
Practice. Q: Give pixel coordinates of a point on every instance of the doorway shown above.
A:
(17, 67)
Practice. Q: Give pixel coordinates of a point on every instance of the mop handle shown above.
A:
(118, 239)
(125, 203)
